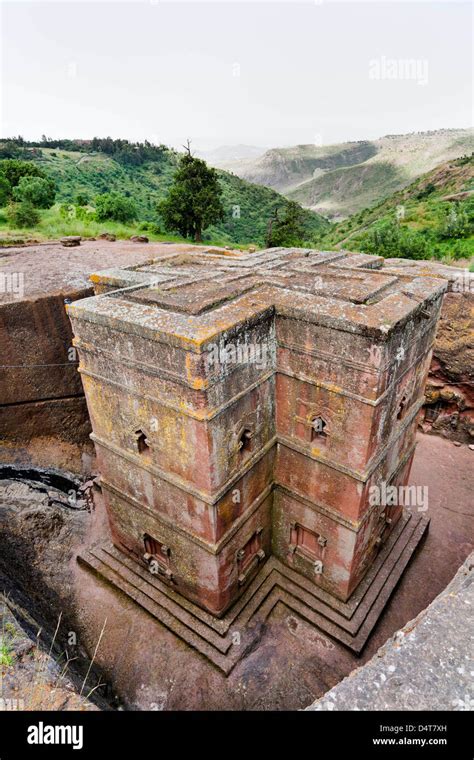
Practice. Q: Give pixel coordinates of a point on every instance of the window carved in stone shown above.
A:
(245, 441)
(157, 556)
(250, 556)
(308, 544)
(318, 429)
(142, 442)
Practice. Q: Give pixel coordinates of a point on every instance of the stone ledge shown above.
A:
(427, 665)
(227, 640)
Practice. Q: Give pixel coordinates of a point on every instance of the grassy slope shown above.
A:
(350, 176)
(96, 173)
(425, 207)
(346, 190)
(286, 168)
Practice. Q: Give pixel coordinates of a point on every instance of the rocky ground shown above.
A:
(32, 677)
(41, 665)
(140, 665)
(50, 268)
(450, 388)
(427, 665)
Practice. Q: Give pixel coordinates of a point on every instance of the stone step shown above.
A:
(225, 641)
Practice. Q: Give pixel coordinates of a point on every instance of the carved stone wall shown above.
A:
(246, 405)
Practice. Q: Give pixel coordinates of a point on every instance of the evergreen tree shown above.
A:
(287, 229)
(194, 199)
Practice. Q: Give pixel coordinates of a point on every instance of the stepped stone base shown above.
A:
(225, 641)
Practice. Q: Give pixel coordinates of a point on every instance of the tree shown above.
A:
(194, 200)
(115, 207)
(10, 149)
(394, 241)
(22, 215)
(287, 229)
(5, 190)
(38, 191)
(14, 170)
(457, 223)
(81, 199)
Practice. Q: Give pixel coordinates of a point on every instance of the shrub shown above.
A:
(81, 199)
(22, 215)
(14, 170)
(5, 190)
(457, 224)
(427, 190)
(38, 191)
(393, 241)
(66, 211)
(9, 149)
(115, 207)
(458, 251)
(83, 213)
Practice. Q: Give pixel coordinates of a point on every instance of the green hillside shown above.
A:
(347, 189)
(248, 207)
(341, 179)
(432, 217)
(286, 168)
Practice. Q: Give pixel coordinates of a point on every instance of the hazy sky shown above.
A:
(266, 74)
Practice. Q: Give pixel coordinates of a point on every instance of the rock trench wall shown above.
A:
(449, 408)
(43, 413)
(425, 666)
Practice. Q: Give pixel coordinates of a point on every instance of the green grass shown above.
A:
(248, 207)
(6, 658)
(425, 212)
(53, 226)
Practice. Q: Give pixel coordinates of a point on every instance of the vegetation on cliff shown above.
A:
(83, 171)
(431, 218)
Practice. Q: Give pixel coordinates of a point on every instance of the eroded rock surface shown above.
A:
(41, 527)
(449, 408)
(450, 388)
(31, 678)
(427, 665)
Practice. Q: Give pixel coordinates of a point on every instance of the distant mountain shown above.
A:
(227, 155)
(426, 207)
(78, 168)
(339, 180)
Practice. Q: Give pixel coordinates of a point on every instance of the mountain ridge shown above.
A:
(339, 180)
(425, 208)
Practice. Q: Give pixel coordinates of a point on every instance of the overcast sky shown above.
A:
(265, 74)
